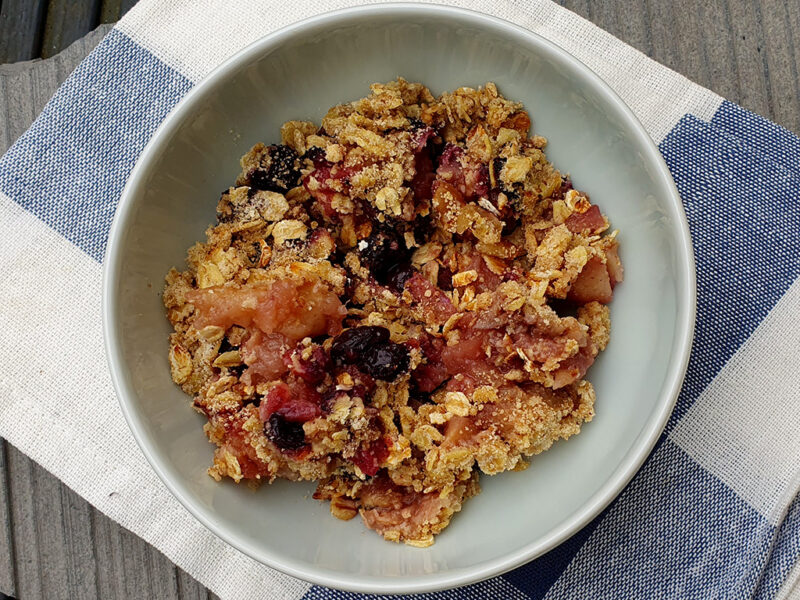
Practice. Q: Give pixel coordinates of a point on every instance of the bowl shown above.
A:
(298, 73)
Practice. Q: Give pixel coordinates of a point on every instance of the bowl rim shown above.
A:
(644, 442)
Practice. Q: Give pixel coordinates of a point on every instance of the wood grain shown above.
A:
(745, 50)
(53, 544)
(21, 23)
(113, 10)
(67, 21)
(7, 574)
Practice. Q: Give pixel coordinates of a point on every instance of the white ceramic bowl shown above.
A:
(297, 73)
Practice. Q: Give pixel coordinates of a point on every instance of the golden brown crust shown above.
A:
(484, 237)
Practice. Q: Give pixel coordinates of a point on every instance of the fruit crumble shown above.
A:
(393, 302)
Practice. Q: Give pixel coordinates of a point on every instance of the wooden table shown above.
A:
(43, 28)
(54, 545)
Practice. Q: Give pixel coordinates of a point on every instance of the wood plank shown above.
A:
(750, 66)
(581, 7)
(189, 588)
(67, 21)
(81, 564)
(70, 550)
(633, 26)
(747, 52)
(65, 62)
(792, 77)
(110, 11)
(129, 567)
(59, 564)
(114, 10)
(662, 24)
(713, 22)
(21, 24)
(782, 53)
(26, 87)
(7, 584)
(16, 89)
(85, 554)
(28, 582)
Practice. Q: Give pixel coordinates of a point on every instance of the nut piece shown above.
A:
(228, 359)
(343, 508)
(293, 134)
(289, 229)
(334, 153)
(211, 333)
(387, 199)
(426, 253)
(465, 278)
(577, 201)
(424, 436)
(505, 135)
(272, 205)
(180, 363)
(208, 275)
(457, 403)
(265, 253)
(422, 542)
(516, 169)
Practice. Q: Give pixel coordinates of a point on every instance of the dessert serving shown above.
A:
(393, 302)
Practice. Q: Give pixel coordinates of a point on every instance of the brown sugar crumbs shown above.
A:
(393, 302)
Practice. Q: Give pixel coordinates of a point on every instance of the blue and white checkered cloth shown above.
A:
(712, 514)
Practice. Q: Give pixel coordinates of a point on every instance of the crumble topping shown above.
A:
(393, 302)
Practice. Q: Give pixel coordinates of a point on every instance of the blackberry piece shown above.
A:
(286, 435)
(382, 251)
(397, 277)
(424, 228)
(278, 170)
(386, 362)
(352, 345)
(317, 156)
(371, 351)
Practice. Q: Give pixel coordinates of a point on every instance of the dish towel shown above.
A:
(712, 514)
